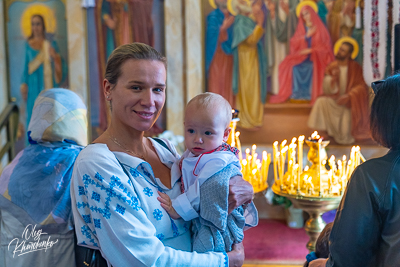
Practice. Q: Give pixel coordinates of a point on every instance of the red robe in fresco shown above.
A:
(321, 55)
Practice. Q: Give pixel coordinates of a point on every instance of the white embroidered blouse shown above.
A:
(121, 216)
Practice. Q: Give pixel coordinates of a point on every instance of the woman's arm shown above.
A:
(109, 215)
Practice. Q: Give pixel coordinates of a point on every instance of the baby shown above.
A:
(205, 169)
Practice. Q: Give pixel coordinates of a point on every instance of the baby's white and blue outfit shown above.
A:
(204, 200)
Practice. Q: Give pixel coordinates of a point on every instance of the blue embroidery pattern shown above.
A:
(157, 214)
(185, 227)
(111, 193)
(145, 172)
(97, 223)
(96, 196)
(134, 172)
(148, 192)
(85, 230)
(175, 231)
(99, 177)
(120, 209)
(87, 218)
(81, 190)
(160, 237)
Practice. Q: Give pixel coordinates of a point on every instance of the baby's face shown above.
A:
(205, 130)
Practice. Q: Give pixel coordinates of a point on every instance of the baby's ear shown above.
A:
(226, 134)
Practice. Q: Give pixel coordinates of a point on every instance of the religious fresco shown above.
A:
(37, 51)
(112, 23)
(261, 54)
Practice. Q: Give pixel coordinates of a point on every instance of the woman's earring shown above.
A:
(108, 97)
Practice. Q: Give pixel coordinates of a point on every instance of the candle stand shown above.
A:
(315, 207)
(318, 187)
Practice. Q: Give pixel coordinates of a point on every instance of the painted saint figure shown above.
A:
(343, 110)
(250, 67)
(43, 65)
(219, 59)
(302, 71)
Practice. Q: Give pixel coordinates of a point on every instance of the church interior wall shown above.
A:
(180, 28)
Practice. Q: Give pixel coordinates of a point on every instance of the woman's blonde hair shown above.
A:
(122, 53)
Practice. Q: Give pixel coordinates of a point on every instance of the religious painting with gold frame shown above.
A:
(271, 60)
(36, 33)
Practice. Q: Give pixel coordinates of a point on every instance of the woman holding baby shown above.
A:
(116, 179)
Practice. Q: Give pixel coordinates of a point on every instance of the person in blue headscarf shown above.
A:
(36, 222)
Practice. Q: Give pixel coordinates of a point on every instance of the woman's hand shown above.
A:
(240, 192)
(318, 263)
(236, 256)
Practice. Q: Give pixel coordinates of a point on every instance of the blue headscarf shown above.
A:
(35, 187)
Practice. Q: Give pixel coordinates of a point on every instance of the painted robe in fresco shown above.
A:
(276, 41)
(249, 71)
(343, 123)
(141, 22)
(219, 59)
(339, 23)
(39, 73)
(314, 64)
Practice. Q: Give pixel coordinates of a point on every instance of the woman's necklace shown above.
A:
(143, 157)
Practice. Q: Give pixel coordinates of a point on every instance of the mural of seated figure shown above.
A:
(343, 109)
(302, 71)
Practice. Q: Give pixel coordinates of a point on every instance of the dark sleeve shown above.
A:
(356, 231)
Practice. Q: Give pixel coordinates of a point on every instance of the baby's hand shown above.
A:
(166, 203)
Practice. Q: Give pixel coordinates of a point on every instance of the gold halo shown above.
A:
(309, 3)
(38, 9)
(212, 4)
(349, 40)
(231, 9)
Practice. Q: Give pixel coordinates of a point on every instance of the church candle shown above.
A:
(296, 171)
(349, 163)
(274, 154)
(300, 156)
(343, 165)
(249, 167)
(283, 160)
(332, 163)
(253, 150)
(244, 167)
(278, 165)
(264, 165)
(238, 145)
(290, 173)
(319, 167)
